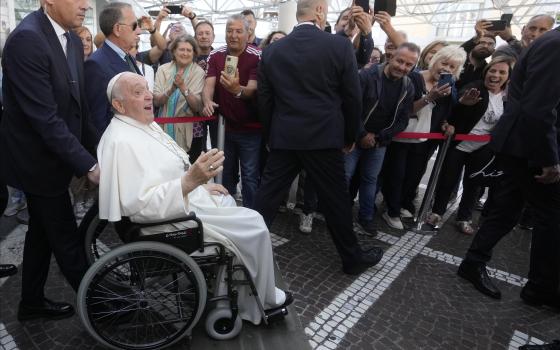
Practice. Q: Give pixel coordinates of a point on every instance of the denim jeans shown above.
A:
(242, 148)
(371, 161)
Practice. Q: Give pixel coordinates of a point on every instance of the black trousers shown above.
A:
(3, 197)
(326, 169)
(403, 169)
(451, 170)
(52, 230)
(198, 145)
(508, 199)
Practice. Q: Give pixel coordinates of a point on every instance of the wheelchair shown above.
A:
(149, 290)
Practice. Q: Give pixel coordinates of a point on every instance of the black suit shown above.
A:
(310, 102)
(43, 128)
(527, 139)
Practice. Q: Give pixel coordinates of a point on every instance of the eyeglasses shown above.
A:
(133, 25)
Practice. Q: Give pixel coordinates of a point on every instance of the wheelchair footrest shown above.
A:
(275, 315)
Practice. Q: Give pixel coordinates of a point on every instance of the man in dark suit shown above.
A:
(45, 139)
(526, 140)
(120, 27)
(310, 105)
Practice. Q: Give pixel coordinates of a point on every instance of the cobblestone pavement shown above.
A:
(411, 300)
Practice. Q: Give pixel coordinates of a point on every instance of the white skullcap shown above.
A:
(111, 85)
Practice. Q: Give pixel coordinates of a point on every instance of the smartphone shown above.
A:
(507, 17)
(153, 13)
(445, 78)
(497, 26)
(231, 65)
(175, 9)
(364, 4)
(389, 6)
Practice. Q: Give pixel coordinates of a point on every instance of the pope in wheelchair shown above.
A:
(187, 243)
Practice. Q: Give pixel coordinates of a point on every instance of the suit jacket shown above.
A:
(99, 68)
(309, 91)
(529, 127)
(45, 122)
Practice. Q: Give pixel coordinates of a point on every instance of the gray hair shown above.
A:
(111, 15)
(185, 38)
(304, 7)
(238, 17)
(450, 53)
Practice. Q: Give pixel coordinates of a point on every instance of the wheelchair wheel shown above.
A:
(219, 325)
(100, 237)
(143, 295)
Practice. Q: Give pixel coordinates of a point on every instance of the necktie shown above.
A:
(71, 59)
(131, 64)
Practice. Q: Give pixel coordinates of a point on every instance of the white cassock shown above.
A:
(141, 169)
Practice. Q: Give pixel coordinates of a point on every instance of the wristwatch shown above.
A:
(186, 92)
(192, 16)
(152, 31)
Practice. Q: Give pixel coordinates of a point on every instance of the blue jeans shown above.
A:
(371, 161)
(242, 148)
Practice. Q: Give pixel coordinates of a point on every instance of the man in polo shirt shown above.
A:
(232, 96)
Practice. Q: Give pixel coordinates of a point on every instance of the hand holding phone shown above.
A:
(175, 9)
(445, 78)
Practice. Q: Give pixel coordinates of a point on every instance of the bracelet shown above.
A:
(426, 100)
(152, 31)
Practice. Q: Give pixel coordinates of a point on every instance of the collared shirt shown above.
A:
(117, 49)
(59, 32)
(307, 23)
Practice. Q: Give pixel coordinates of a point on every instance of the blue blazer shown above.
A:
(99, 68)
(45, 122)
(309, 91)
(530, 127)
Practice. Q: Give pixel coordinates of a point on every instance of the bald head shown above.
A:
(537, 26)
(312, 10)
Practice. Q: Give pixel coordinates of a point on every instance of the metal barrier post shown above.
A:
(434, 176)
(221, 141)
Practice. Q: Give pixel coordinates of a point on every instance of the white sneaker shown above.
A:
(306, 223)
(406, 214)
(393, 222)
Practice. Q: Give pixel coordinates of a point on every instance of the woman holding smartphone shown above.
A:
(406, 159)
(177, 90)
(479, 109)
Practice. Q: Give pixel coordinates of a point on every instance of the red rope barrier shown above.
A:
(440, 136)
(402, 135)
(179, 120)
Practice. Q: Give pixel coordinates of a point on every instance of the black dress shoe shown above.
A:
(555, 345)
(7, 270)
(535, 298)
(368, 226)
(365, 260)
(48, 309)
(476, 274)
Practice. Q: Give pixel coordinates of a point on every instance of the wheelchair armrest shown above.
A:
(190, 217)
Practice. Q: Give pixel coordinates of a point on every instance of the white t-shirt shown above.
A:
(486, 123)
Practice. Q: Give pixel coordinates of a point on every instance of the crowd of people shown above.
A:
(325, 106)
